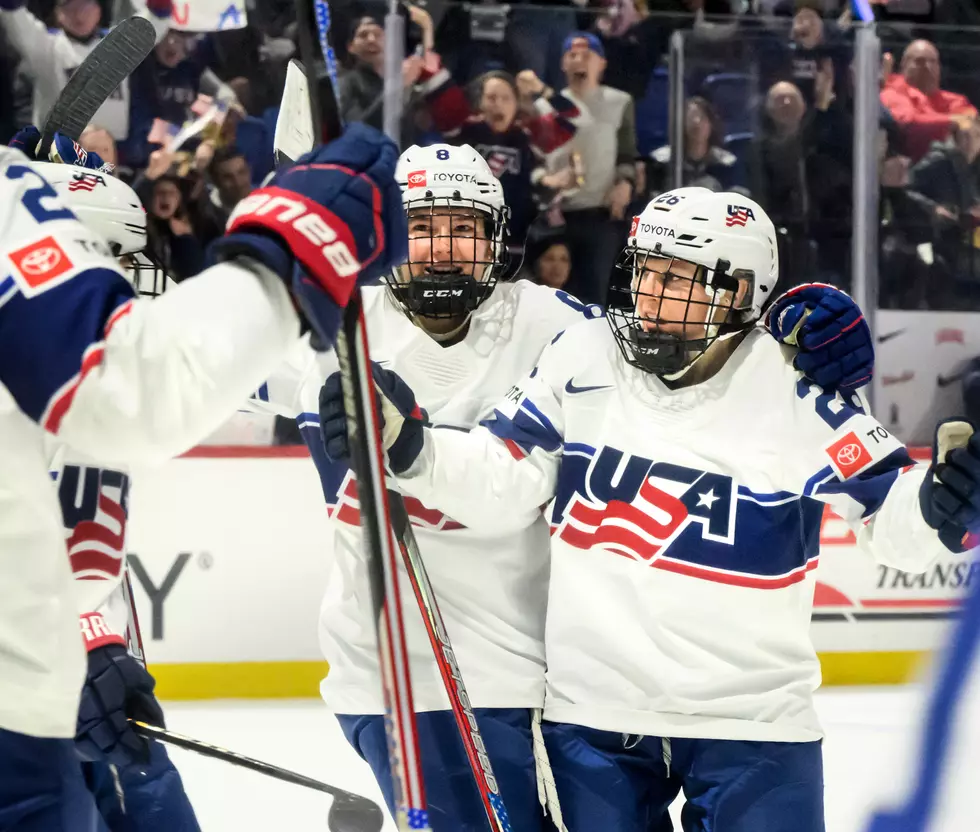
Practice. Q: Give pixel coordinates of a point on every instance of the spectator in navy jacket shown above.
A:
(165, 86)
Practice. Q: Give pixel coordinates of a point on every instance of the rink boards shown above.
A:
(231, 553)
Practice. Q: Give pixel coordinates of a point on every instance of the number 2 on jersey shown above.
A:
(41, 200)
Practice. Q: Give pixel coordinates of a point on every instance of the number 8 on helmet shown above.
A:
(457, 227)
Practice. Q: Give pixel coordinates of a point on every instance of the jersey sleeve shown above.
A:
(853, 464)
(280, 393)
(124, 381)
(498, 476)
(95, 508)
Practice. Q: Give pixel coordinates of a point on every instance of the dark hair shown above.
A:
(359, 21)
(478, 83)
(715, 139)
(222, 155)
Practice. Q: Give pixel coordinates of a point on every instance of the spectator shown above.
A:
(905, 226)
(49, 57)
(812, 41)
(181, 222)
(165, 86)
(512, 145)
(706, 163)
(636, 41)
(97, 139)
(362, 82)
(801, 173)
(231, 177)
(946, 183)
(925, 112)
(553, 264)
(605, 143)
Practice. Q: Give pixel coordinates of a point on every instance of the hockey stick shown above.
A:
(469, 731)
(349, 812)
(363, 427)
(105, 68)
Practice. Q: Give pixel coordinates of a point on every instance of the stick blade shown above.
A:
(294, 125)
(106, 67)
(357, 815)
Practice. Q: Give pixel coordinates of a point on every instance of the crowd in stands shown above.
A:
(570, 104)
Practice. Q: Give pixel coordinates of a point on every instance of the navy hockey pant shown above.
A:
(615, 783)
(454, 802)
(153, 797)
(44, 787)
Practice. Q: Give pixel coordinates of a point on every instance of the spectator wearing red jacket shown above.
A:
(923, 111)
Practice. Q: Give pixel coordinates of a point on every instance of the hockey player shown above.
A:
(685, 464)
(129, 382)
(452, 331)
(133, 782)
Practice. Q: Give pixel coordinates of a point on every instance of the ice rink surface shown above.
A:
(864, 727)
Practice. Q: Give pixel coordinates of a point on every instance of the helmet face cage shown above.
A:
(457, 252)
(145, 272)
(701, 309)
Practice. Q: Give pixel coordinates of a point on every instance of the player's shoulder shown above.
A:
(545, 304)
(586, 344)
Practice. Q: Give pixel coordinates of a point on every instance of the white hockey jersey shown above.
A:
(50, 57)
(491, 583)
(684, 529)
(122, 381)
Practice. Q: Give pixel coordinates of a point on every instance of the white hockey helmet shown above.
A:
(112, 209)
(449, 179)
(731, 241)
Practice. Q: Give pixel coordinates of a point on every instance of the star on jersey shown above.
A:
(707, 499)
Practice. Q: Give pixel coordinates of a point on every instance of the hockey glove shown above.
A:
(834, 340)
(331, 222)
(402, 420)
(63, 150)
(116, 689)
(950, 493)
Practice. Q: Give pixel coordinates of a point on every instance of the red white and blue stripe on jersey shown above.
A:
(52, 340)
(94, 507)
(690, 521)
(339, 486)
(683, 520)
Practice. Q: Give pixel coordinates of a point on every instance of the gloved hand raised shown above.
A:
(63, 150)
(329, 223)
(950, 493)
(834, 340)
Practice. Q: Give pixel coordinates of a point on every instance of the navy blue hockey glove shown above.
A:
(834, 340)
(950, 493)
(329, 223)
(117, 688)
(63, 149)
(402, 420)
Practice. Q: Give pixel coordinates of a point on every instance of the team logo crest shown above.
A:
(85, 182)
(739, 215)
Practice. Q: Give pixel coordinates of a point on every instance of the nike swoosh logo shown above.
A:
(889, 335)
(945, 381)
(571, 389)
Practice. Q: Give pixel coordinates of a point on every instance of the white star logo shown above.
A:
(708, 499)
